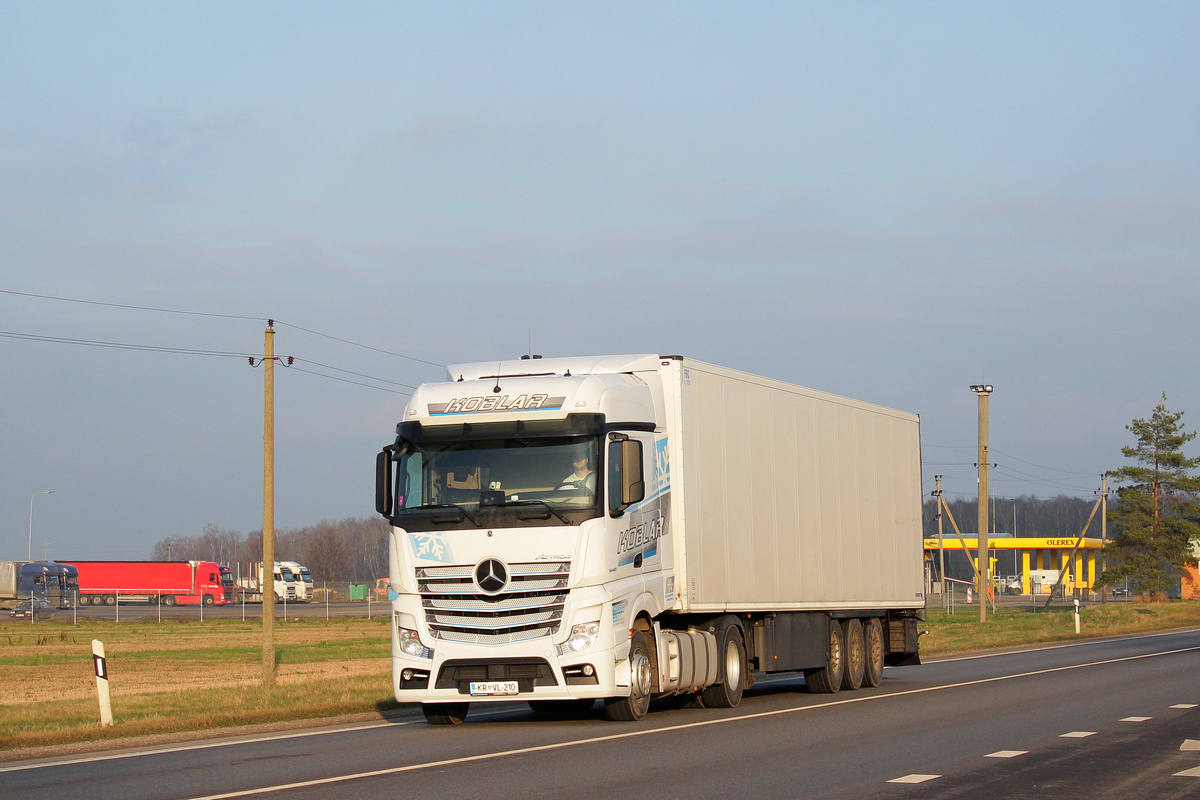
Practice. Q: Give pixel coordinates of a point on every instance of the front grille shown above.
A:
(529, 607)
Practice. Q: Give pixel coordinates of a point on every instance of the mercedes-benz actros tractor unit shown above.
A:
(622, 528)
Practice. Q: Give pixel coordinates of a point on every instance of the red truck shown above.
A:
(165, 582)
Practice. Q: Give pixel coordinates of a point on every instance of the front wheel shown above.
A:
(445, 713)
(209, 600)
(728, 693)
(641, 671)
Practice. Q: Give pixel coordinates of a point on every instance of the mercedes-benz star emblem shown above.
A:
(491, 575)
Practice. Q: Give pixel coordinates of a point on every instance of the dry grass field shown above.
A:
(187, 676)
(184, 675)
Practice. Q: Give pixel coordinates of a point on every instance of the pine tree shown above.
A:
(1157, 515)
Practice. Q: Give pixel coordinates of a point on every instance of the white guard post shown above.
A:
(101, 662)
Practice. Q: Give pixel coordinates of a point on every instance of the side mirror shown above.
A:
(626, 481)
(383, 483)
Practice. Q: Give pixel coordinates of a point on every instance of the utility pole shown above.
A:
(267, 580)
(985, 567)
(941, 550)
(1103, 532)
(267, 575)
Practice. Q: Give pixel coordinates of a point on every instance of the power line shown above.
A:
(355, 383)
(358, 374)
(123, 305)
(356, 344)
(1041, 466)
(219, 316)
(152, 348)
(148, 348)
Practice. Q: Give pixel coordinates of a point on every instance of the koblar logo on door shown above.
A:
(492, 402)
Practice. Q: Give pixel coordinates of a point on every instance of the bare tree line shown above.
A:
(352, 549)
(1058, 517)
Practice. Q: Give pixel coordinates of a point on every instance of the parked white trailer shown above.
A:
(627, 527)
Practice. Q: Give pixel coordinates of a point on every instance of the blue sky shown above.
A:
(889, 201)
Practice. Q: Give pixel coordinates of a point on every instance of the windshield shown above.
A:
(510, 481)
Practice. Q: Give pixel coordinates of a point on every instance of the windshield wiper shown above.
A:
(455, 506)
(543, 503)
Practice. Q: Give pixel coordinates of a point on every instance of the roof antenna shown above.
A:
(496, 390)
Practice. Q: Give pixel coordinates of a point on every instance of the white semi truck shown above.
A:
(302, 579)
(630, 527)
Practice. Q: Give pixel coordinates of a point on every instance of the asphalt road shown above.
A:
(1110, 719)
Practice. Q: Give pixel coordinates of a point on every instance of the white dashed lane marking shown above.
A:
(1184, 705)
(914, 778)
(1194, 772)
(1006, 754)
(1077, 734)
(1136, 719)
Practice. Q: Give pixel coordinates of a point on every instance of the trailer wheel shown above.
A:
(110, 600)
(169, 600)
(873, 649)
(565, 708)
(728, 693)
(445, 713)
(852, 636)
(828, 679)
(635, 706)
(84, 600)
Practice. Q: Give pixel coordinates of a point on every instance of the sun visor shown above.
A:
(619, 397)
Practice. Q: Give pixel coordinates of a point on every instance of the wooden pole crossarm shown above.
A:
(961, 540)
(1075, 549)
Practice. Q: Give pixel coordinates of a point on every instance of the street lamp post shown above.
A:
(29, 555)
(985, 581)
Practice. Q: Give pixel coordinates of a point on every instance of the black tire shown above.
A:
(852, 636)
(169, 600)
(728, 693)
(84, 600)
(209, 600)
(110, 600)
(563, 708)
(445, 713)
(634, 707)
(874, 650)
(828, 679)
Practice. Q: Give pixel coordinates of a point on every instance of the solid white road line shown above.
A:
(200, 746)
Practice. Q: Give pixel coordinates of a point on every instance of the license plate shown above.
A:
(484, 688)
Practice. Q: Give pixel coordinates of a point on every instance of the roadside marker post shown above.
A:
(101, 663)
(1076, 616)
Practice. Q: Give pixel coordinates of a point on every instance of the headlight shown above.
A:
(410, 643)
(582, 637)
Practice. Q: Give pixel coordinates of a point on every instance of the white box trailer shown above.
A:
(626, 527)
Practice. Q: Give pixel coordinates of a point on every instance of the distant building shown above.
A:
(1034, 563)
